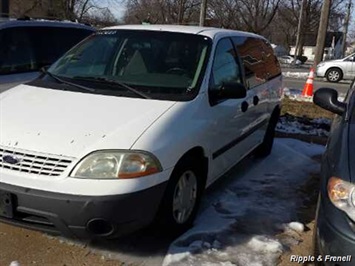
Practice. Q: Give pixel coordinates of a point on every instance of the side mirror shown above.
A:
(328, 99)
(230, 90)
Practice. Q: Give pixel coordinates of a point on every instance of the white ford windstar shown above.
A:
(132, 125)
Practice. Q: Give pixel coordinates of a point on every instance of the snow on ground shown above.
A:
(240, 225)
(296, 94)
(301, 125)
(300, 75)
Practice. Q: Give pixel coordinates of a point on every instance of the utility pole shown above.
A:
(299, 29)
(181, 12)
(346, 26)
(203, 12)
(322, 31)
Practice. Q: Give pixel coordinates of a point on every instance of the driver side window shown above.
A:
(225, 66)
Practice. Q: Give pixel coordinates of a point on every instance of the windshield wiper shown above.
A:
(115, 82)
(66, 82)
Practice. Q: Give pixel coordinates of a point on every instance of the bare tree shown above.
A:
(249, 15)
(225, 14)
(78, 10)
(160, 11)
(258, 14)
(283, 29)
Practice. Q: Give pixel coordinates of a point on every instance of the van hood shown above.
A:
(73, 123)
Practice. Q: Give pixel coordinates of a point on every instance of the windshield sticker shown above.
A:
(106, 32)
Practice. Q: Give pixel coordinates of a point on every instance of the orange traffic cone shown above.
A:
(308, 87)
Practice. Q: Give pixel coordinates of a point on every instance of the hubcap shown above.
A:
(333, 75)
(184, 197)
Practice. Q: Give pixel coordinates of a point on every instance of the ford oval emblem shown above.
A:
(10, 159)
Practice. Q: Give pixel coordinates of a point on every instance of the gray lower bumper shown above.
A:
(81, 216)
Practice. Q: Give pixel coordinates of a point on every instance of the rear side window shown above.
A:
(24, 49)
(272, 65)
(258, 59)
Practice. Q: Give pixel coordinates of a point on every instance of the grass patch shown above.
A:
(303, 109)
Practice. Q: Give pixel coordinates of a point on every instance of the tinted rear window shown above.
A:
(24, 49)
(258, 59)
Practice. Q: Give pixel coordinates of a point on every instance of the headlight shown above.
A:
(342, 195)
(320, 65)
(116, 164)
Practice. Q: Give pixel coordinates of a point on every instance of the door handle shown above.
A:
(255, 100)
(244, 106)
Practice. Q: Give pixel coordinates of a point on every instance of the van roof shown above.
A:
(205, 31)
(42, 22)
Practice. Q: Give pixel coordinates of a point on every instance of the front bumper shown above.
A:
(336, 243)
(81, 216)
(320, 71)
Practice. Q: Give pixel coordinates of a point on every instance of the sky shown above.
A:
(117, 7)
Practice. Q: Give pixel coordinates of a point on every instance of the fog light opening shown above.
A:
(99, 227)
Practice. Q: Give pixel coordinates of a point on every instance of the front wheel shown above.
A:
(181, 199)
(334, 75)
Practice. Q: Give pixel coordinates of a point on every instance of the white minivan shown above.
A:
(131, 125)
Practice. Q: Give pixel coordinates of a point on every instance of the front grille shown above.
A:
(34, 163)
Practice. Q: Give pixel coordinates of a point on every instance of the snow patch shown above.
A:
(263, 244)
(303, 75)
(296, 226)
(305, 126)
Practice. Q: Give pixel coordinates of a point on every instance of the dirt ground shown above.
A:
(304, 248)
(53, 251)
(303, 244)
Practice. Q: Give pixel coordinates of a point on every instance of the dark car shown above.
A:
(28, 45)
(334, 236)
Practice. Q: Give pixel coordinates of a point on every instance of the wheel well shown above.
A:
(332, 68)
(197, 155)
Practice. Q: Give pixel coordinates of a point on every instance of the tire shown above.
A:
(264, 149)
(334, 75)
(316, 251)
(181, 198)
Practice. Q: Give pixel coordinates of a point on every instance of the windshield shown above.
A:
(162, 64)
